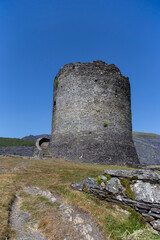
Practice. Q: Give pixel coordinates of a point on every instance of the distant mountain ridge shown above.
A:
(35, 137)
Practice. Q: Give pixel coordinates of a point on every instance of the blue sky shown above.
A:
(37, 37)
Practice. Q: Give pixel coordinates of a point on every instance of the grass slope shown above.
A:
(15, 142)
(56, 175)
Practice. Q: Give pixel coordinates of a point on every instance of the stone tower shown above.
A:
(91, 119)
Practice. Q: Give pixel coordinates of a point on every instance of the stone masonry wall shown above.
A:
(91, 119)
(139, 189)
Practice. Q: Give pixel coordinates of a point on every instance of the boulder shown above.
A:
(147, 192)
(114, 186)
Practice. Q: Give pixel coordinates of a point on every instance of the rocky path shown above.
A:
(74, 224)
(22, 223)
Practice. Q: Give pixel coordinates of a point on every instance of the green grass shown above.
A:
(15, 142)
(118, 228)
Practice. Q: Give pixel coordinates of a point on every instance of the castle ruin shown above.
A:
(91, 119)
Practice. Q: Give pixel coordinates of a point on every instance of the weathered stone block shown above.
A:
(115, 187)
(141, 174)
(147, 192)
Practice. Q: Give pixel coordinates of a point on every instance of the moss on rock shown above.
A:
(126, 184)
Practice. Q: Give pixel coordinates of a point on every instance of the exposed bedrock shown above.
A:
(91, 119)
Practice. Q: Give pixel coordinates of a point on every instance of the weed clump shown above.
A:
(56, 83)
(99, 180)
(108, 176)
(126, 183)
(105, 124)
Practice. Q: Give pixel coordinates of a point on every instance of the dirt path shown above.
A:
(73, 224)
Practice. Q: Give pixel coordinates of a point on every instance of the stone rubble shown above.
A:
(144, 185)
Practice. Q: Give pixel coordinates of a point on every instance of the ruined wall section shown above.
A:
(91, 119)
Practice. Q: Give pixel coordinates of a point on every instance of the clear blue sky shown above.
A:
(37, 37)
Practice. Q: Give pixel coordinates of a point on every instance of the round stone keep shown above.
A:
(91, 119)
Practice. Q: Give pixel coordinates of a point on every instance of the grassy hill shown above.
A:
(56, 175)
(146, 135)
(15, 142)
